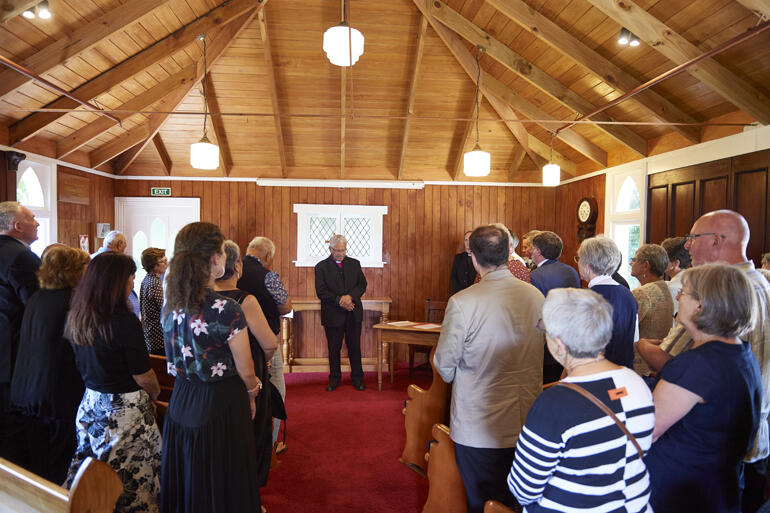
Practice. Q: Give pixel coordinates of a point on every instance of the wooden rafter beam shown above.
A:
(412, 92)
(219, 43)
(72, 44)
(464, 139)
(118, 145)
(504, 100)
(758, 6)
(516, 160)
(94, 129)
(163, 154)
(273, 86)
(679, 50)
(533, 74)
(12, 8)
(218, 124)
(174, 42)
(592, 61)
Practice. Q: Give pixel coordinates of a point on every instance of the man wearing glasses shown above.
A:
(722, 236)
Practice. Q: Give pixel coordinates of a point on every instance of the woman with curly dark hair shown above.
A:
(208, 440)
(46, 387)
(115, 421)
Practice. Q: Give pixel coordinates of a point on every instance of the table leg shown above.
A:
(379, 360)
(390, 361)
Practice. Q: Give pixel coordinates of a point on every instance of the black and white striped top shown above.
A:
(571, 457)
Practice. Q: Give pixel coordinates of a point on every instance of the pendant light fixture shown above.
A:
(204, 154)
(551, 171)
(342, 43)
(477, 162)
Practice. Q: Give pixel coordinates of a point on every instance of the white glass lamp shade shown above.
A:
(204, 155)
(551, 175)
(336, 44)
(477, 162)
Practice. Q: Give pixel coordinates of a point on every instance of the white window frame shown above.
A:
(307, 211)
(615, 179)
(44, 170)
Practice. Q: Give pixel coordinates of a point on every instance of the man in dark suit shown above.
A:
(339, 284)
(463, 272)
(551, 274)
(18, 281)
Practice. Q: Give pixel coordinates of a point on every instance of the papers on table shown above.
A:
(427, 326)
(402, 324)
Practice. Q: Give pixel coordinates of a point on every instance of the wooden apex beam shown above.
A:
(163, 153)
(679, 50)
(12, 8)
(267, 50)
(219, 43)
(758, 6)
(174, 42)
(533, 74)
(592, 61)
(516, 160)
(126, 140)
(218, 124)
(78, 41)
(420, 50)
(92, 130)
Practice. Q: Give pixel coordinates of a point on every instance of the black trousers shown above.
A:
(351, 331)
(485, 473)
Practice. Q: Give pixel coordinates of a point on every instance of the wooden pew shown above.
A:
(446, 493)
(496, 507)
(95, 490)
(166, 380)
(422, 410)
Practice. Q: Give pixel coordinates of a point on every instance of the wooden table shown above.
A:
(388, 334)
(302, 304)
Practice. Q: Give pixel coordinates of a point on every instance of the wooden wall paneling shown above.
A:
(683, 208)
(657, 214)
(713, 194)
(750, 199)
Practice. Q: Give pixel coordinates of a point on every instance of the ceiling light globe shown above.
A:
(551, 175)
(477, 162)
(336, 44)
(204, 154)
(44, 11)
(29, 14)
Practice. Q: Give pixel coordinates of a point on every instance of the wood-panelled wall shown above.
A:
(84, 200)
(675, 199)
(422, 232)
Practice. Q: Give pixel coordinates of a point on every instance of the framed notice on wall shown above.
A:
(84, 243)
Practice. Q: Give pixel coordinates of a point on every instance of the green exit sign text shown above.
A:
(160, 191)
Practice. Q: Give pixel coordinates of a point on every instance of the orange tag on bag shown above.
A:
(617, 393)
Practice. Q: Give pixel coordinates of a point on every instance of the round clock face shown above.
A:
(584, 211)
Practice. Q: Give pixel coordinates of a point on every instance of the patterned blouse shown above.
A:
(151, 302)
(656, 316)
(197, 344)
(518, 270)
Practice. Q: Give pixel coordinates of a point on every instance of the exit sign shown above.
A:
(160, 191)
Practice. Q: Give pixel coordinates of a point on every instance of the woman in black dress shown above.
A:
(208, 440)
(115, 421)
(151, 298)
(46, 387)
(263, 345)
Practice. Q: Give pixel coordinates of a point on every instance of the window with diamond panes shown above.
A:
(358, 232)
(360, 224)
(321, 230)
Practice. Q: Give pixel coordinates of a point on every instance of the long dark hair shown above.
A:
(189, 272)
(100, 294)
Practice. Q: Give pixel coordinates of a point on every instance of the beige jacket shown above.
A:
(492, 353)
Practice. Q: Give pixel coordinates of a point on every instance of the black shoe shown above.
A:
(332, 386)
(359, 386)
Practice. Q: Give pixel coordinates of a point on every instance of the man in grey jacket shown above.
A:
(492, 353)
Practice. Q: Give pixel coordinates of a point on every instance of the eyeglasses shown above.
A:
(683, 292)
(632, 260)
(577, 259)
(693, 236)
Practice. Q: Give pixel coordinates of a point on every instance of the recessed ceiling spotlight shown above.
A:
(43, 10)
(625, 35)
(634, 40)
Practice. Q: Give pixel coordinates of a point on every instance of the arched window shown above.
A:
(35, 189)
(628, 197)
(624, 213)
(138, 244)
(158, 233)
(29, 192)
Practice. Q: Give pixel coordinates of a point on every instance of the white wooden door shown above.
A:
(153, 222)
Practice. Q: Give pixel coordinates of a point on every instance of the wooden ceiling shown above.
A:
(403, 111)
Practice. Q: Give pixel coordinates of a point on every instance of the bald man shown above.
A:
(722, 237)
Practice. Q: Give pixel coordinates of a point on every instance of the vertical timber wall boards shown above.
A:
(739, 183)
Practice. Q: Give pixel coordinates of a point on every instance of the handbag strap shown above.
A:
(591, 397)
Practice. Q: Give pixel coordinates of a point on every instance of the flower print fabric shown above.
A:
(197, 342)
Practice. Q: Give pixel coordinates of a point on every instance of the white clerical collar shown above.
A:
(602, 279)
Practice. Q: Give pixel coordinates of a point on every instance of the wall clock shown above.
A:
(587, 212)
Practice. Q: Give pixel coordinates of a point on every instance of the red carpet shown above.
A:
(344, 448)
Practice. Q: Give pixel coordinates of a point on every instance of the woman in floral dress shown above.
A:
(208, 442)
(115, 421)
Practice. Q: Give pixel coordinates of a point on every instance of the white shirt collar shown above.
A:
(543, 262)
(602, 279)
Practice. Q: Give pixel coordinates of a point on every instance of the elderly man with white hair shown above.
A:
(115, 241)
(339, 284)
(18, 281)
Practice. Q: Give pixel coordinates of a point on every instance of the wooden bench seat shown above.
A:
(95, 490)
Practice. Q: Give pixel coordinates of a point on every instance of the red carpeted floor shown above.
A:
(344, 448)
